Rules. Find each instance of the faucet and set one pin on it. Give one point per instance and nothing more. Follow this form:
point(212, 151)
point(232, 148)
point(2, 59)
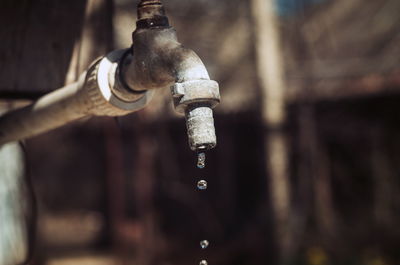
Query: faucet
point(124, 81)
point(159, 61)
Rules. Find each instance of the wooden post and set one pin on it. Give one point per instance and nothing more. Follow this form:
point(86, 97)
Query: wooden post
point(270, 73)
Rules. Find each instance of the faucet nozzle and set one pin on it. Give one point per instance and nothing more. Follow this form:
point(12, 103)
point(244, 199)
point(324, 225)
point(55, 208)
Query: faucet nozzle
point(196, 99)
point(200, 127)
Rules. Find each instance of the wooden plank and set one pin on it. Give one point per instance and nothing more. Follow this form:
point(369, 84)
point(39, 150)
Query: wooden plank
point(270, 69)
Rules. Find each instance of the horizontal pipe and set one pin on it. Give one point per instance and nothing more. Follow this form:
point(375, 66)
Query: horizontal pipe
point(97, 92)
point(123, 82)
point(48, 112)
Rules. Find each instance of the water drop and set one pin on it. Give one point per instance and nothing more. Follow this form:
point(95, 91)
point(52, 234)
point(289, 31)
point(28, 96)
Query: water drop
point(204, 244)
point(203, 262)
point(202, 184)
point(201, 160)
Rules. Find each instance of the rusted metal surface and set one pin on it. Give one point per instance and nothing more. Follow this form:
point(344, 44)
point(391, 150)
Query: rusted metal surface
point(91, 95)
point(121, 83)
point(195, 92)
point(151, 14)
point(160, 61)
point(196, 99)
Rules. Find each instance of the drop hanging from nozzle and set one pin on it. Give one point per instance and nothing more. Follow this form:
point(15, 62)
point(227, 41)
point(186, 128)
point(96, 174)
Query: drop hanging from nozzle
point(201, 160)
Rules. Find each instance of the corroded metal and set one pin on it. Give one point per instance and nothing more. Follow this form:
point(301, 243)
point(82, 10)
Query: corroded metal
point(151, 14)
point(196, 99)
point(160, 61)
point(200, 127)
point(124, 81)
point(204, 92)
point(94, 94)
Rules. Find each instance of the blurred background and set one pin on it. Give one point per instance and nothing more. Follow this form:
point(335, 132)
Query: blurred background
point(306, 170)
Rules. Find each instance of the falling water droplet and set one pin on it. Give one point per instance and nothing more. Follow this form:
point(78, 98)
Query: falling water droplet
point(204, 244)
point(201, 160)
point(203, 262)
point(202, 184)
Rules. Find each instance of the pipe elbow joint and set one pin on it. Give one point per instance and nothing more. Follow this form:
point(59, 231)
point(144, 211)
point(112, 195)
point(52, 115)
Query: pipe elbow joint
point(159, 61)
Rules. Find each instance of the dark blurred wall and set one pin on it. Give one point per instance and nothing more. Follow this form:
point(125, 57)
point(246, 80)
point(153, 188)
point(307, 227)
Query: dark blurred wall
point(123, 190)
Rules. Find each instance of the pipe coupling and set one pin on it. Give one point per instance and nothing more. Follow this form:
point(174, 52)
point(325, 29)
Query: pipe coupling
point(204, 92)
point(107, 94)
point(196, 99)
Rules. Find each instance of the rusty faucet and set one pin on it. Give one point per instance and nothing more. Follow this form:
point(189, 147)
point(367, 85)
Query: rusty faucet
point(124, 81)
point(159, 61)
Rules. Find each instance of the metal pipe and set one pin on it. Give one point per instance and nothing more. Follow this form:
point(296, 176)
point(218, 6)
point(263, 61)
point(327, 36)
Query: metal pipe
point(124, 81)
point(95, 93)
point(48, 112)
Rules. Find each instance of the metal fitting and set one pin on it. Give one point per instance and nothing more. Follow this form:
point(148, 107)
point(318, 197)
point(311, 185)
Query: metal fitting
point(160, 61)
point(120, 99)
point(151, 14)
point(98, 92)
point(195, 91)
point(196, 99)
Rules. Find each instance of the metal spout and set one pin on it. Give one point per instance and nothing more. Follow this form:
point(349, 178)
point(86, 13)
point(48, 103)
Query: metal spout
point(200, 128)
point(158, 60)
point(124, 81)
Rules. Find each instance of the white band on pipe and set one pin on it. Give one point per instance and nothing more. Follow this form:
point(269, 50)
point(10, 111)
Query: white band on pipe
point(106, 72)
